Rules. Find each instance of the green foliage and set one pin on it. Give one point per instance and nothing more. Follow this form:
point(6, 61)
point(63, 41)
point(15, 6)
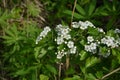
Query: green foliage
point(22, 59)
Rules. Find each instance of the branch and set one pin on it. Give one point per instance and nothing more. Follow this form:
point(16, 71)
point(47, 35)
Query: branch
point(73, 11)
point(110, 73)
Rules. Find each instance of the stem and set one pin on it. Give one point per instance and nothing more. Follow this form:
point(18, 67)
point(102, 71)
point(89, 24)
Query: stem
point(110, 73)
point(59, 74)
point(73, 11)
point(67, 61)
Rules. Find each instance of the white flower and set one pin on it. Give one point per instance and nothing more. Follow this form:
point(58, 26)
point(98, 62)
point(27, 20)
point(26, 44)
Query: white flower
point(117, 30)
point(59, 40)
point(100, 30)
point(43, 34)
point(83, 26)
point(73, 50)
point(70, 44)
point(60, 54)
point(90, 39)
point(75, 25)
point(67, 37)
point(91, 48)
point(87, 48)
point(47, 29)
point(88, 23)
point(110, 42)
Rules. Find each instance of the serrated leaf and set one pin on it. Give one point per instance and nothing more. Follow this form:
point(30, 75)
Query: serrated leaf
point(91, 61)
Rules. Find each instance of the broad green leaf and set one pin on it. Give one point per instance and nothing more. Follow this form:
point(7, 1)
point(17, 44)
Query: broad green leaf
point(80, 9)
point(91, 61)
point(92, 7)
point(44, 77)
point(51, 69)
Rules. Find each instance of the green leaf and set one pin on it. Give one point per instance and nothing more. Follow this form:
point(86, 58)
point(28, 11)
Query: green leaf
point(76, 15)
point(91, 61)
point(44, 77)
point(80, 9)
point(42, 53)
point(33, 9)
point(92, 7)
point(51, 69)
point(93, 31)
point(99, 74)
point(83, 55)
point(90, 76)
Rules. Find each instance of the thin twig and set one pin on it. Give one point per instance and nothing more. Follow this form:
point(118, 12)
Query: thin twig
point(73, 11)
point(105, 76)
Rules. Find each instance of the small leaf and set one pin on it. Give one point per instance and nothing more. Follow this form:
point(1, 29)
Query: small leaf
point(83, 55)
point(42, 53)
point(90, 77)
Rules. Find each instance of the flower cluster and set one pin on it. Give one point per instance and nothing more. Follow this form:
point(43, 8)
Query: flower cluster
point(61, 53)
point(109, 41)
point(71, 46)
point(63, 34)
point(97, 40)
point(91, 47)
point(43, 34)
point(64, 37)
point(117, 30)
point(82, 25)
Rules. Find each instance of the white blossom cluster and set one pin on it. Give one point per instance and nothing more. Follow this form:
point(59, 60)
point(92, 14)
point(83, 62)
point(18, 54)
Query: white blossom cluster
point(90, 39)
point(63, 34)
point(109, 41)
point(82, 25)
point(117, 30)
point(43, 34)
point(92, 47)
point(71, 46)
point(64, 37)
point(61, 53)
